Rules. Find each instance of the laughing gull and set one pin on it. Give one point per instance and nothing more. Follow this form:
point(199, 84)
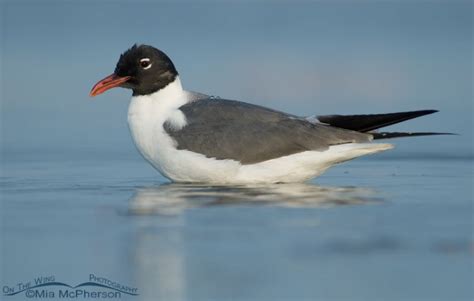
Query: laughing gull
point(193, 137)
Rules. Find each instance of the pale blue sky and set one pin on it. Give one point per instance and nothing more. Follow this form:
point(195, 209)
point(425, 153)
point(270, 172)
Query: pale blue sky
point(301, 57)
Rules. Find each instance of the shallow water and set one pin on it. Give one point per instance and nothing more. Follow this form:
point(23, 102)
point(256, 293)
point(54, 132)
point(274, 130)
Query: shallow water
point(371, 229)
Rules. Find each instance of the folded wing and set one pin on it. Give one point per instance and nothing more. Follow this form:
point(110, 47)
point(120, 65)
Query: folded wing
point(226, 129)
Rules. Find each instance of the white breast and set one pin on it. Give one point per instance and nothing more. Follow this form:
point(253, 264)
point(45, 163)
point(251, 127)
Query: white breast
point(146, 116)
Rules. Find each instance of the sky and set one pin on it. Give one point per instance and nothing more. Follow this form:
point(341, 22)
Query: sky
point(302, 57)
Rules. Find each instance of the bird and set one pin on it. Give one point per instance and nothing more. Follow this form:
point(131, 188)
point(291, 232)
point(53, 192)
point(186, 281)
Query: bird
point(192, 137)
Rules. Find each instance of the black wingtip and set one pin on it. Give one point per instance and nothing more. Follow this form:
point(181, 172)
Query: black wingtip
point(415, 114)
point(424, 112)
point(370, 122)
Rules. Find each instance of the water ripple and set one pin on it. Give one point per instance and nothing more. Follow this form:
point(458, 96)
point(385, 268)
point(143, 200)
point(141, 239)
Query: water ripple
point(170, 199)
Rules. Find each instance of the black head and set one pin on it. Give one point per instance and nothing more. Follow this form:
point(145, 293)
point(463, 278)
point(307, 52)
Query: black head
point(143, 68)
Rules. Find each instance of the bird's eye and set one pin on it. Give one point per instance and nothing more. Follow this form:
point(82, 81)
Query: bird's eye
point(145, 63)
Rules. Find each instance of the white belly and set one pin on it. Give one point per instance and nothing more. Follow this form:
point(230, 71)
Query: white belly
point(158, 148)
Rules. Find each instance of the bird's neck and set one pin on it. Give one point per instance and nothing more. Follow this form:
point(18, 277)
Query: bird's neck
point(170, 91)
point(172, 95)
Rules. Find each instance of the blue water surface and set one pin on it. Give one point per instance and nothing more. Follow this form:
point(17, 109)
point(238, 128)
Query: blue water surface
point(379, 228)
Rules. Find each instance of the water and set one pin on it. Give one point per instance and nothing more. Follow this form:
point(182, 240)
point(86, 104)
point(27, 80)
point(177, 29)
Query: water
point(370, 229)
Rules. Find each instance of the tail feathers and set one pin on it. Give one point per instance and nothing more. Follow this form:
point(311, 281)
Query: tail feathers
point(366, 123)
point(388, 135)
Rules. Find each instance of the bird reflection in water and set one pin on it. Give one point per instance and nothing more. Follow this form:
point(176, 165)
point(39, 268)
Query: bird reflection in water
point(180, 256)
point(171, 199)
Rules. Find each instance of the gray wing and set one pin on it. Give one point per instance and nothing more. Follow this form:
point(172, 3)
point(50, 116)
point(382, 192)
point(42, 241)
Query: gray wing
point(227, 129)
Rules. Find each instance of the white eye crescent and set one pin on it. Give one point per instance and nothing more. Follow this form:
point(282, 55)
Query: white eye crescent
point(145, 63)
